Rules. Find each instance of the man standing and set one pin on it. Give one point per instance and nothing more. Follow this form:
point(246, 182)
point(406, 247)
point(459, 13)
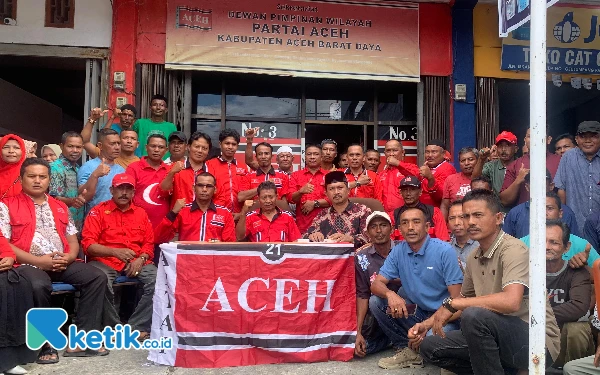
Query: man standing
point(429, 273)
point(268, 223)
point(513, 190)
point(343, 162)
point(118, 238)
point(44, 240)
point(391, 175)
point(155, 124)
point(63, 177)
point(372, 160)
point(285, 160)
point(126, 114)
point(344, 221)
point(129, 143)
point(460, 240)
point(307, 188)
point(367, 263)
point(95, 176)
point(329, 152)
point(564, 143)
point(411, 190)
point(202, 220)
point(494, 332)
point(265, 172)
point(495, 170)
point(177, 148)
point(579, 173)
point(363, 183)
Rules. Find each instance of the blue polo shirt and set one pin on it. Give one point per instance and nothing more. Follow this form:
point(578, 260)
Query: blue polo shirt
point(426, 274)
point(104, 183)
point(516, 222)
point(578, 245)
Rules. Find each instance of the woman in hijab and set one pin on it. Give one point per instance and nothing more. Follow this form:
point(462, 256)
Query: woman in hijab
point(50, 152)
point(31, 148)
point(13, 155)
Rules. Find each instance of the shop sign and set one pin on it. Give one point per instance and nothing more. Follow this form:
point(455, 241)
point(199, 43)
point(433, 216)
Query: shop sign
point(372, 40)
point(573, 43)
point(514, 13)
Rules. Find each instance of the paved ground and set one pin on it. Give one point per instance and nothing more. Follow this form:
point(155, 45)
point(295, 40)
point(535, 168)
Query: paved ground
point(134, 362)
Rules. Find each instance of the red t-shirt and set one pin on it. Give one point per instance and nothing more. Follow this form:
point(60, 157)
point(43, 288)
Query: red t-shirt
point(372, 190)
point(148, 194)
point(279, 178)
point(299, 179)
point(229, 176)
point(512, 171)
point(282, 228)
point(456, 186)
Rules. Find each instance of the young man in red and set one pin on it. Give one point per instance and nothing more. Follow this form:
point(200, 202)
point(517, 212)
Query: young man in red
point(268, 223)
point(265, 172)
point(118, 238)
point(307, 188)
point(202, 220)
point(363, 183)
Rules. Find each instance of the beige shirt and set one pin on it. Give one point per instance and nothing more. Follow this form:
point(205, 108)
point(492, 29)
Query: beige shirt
point(506, 263)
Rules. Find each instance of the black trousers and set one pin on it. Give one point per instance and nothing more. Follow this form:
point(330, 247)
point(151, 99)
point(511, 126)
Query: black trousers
point(487, 343)
point(88, 280)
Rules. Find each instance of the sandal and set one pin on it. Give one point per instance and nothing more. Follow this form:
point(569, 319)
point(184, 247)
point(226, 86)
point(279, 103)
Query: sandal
point(47, 350)
point(86, 353)
point(143, 336)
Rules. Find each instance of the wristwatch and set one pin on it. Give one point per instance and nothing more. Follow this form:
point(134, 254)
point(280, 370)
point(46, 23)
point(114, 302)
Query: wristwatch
point(317, 204)
point(447, 303)
point(357, 184)
point(144, 258)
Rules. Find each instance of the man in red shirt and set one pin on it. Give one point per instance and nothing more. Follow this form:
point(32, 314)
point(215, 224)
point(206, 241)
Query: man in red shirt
point(202, 220)
point(227, 173)
point(459, 184)
point(393, 172)
point(307, 188)
point(363, 183)
point(118, 239)
point(268, 223)
point(513, 189)
point(372, 160)
point(265, 172)
point(180, 178)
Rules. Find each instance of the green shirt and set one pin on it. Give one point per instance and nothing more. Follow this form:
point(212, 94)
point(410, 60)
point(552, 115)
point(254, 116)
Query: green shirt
point(495, 171)
point(578, 245)
point(145, 127)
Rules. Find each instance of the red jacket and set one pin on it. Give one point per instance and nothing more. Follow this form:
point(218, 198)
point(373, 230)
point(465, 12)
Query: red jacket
point(5, 250)
point(229, 177)
point(22, 220)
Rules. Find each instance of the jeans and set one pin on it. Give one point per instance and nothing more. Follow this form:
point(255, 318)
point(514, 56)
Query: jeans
point(488, 343)
point(396, 329)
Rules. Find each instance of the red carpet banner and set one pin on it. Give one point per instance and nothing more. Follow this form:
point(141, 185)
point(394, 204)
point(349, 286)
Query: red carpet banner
point(239, 304)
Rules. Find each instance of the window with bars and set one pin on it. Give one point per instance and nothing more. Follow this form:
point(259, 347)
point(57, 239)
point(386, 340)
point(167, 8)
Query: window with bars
point(8, 9)
point(60, 13)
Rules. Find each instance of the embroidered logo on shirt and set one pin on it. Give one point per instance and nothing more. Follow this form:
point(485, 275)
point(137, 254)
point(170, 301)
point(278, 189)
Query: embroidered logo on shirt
point(363, 262)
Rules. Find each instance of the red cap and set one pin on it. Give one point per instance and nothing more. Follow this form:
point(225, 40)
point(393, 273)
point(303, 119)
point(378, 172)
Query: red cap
point(506, 136)
point(123, 178)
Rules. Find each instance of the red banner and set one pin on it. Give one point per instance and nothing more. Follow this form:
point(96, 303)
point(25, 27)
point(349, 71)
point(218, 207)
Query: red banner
point(239, 304)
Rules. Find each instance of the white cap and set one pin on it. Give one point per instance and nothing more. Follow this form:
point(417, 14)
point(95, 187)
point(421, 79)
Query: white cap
point(378, 214)
point(284, 149)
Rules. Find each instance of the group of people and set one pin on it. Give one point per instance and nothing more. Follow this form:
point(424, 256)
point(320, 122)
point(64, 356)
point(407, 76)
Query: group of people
point(441, 257)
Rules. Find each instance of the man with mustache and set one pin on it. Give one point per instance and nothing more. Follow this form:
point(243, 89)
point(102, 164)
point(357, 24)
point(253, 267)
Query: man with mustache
point(267, 223)
point(177, 148)
point(460, 240)
point(495, 170)
point(329, 150)
point(493, 303)
point(344, 221)
point(118, 240)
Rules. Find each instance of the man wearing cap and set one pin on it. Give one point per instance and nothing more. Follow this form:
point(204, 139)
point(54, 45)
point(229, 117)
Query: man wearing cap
point(513, 190)
point(367, 262)
point(411, 190)
point(285, 160)
point(202, 220)
point(495, 170)
point(177, 141)
point(578, 175)
point(363, 183)
point(329, 149)
point(265, 172)
point(344, 221)
point(118, 239)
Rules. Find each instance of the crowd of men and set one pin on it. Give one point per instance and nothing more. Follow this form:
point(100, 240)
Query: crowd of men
point(442, 257)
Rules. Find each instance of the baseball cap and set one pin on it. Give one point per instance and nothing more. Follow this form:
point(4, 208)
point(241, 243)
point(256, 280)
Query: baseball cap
point(179, 135)
point(284, 149)
point(375, 214)
point(589, 127)
point(410, 181)
point(506, 136)
point(122, 179)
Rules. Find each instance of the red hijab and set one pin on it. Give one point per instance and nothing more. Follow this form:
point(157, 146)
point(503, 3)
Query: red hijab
point(9, 172)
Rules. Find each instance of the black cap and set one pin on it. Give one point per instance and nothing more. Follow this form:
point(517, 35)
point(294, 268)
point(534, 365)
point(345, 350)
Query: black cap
point(589, 127)
point(548, 176)
point(335, 176)
point(437, 142)
point(179, 135)
point(410, 181)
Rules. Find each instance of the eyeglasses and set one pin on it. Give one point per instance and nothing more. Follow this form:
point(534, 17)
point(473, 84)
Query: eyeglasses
point(202, 186)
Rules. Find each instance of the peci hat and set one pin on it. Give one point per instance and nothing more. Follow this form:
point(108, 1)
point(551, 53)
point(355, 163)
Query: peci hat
point(335, 176)
point(123, 179)
point(410, 181)
point(589, 127)
point(179, 135)
point(506, 136)
point(284, 150)
point(376, 214)
point(437, 142)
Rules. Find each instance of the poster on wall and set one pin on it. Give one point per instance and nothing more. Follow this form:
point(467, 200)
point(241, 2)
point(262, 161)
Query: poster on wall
point(515, 13)
point(573, 43)
point(371, 40)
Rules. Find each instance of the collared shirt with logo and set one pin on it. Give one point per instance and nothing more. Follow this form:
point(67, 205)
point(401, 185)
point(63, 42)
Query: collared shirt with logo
point(374, 189)
point(279, 178)
point(148, 194)
point(193, 224)
point(352, 221)
point(63, 183)
point(297, 181)
point(229, 176)
point(390, 178)
point(281, 228)
point(183, 183)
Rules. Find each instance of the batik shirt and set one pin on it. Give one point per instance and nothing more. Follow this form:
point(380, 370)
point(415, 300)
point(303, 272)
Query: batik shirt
point(63, 183)
point(352, 221)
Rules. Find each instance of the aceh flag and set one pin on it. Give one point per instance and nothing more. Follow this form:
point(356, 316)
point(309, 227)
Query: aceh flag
point(237, 304)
